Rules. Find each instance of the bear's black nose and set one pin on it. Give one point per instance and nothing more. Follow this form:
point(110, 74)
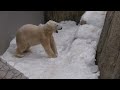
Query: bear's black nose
point(60, 28)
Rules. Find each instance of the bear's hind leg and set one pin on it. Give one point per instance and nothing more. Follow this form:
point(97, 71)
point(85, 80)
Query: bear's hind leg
point(27, 49)
point(20, 50)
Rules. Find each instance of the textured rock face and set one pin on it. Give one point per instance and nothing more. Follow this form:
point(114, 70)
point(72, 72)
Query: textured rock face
point(8, 72)
point(108, 52)
point(64, 15)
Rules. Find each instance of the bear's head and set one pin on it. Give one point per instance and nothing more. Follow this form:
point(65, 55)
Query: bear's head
point(54, 26)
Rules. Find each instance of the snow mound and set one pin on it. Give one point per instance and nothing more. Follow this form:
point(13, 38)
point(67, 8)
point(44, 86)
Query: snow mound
point(95, 18)
point(88, 32)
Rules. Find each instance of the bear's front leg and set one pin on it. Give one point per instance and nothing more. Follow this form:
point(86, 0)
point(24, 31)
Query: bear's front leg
point(53, 45)
point(48, 50)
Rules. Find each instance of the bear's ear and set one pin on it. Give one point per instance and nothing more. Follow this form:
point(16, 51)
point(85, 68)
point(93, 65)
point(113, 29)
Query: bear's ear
point(49, 21)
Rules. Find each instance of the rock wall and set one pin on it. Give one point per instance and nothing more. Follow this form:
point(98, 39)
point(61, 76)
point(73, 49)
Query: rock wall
point(108, 51)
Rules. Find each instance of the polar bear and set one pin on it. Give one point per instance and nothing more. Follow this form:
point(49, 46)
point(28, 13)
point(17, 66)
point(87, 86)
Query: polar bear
point(29, 35)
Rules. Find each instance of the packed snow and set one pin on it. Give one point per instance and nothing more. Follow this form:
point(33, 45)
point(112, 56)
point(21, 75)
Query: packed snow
point(76, 45)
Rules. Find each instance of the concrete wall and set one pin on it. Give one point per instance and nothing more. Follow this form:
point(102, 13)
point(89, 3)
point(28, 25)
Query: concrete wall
point(10, 21)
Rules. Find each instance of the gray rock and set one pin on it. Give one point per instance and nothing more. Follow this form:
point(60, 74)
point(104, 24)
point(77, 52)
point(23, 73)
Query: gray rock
point(108, 50)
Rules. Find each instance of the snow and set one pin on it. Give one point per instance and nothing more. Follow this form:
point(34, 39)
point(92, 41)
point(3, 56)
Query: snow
point(89, 32)
point(95, 18)
point(76, 46)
